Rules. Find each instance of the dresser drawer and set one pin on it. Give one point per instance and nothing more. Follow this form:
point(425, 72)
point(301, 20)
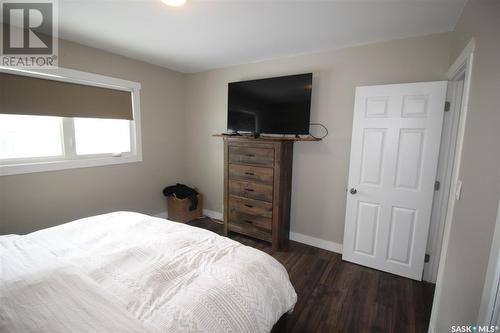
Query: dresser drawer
point(251, 155)
point(251, 190)
point(244, 219)
point(251, 231)
point(252, 173)
point(250, 206)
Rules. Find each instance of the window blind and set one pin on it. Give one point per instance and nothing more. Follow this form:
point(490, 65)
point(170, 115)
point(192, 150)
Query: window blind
point(27, 95)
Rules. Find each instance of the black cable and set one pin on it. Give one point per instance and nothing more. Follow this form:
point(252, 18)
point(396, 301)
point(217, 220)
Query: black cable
point(324, 127)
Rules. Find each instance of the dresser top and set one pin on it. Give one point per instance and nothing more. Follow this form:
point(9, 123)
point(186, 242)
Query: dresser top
point(267, 137)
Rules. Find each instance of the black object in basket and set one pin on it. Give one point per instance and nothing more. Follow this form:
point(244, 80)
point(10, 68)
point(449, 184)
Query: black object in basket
point(182, 191)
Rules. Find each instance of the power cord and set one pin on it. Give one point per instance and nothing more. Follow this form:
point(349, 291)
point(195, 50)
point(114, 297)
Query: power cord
point(321, 125)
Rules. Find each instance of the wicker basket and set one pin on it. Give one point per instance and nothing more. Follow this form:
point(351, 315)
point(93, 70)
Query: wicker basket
point(178, 209)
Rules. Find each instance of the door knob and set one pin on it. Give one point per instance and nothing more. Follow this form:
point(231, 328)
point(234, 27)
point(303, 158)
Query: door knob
point(353, 190)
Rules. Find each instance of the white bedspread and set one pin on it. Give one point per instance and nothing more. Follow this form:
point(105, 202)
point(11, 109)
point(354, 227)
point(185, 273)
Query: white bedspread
point(128, 272)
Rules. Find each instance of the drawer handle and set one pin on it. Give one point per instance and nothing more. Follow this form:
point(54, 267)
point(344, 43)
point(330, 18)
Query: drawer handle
point(249, 189)
point(249, 173)
point(250, 155)
point(249, 206)
point(248, 221)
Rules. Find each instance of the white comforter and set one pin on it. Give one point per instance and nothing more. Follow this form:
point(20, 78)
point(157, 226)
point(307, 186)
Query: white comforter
point(128, 272)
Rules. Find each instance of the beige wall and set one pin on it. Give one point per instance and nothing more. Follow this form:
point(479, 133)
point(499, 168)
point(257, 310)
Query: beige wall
point(320, 170)
point(33, 201)
point(471, 230)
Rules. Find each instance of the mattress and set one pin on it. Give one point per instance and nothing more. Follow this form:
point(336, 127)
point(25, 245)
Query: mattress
point(129, 272)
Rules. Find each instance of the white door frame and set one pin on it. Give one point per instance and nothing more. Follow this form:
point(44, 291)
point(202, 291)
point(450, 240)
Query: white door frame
point(462, 65)
point(443, 176)
point(490, 302)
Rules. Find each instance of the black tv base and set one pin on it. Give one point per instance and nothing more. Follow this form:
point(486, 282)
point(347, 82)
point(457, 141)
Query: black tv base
point(231, 134)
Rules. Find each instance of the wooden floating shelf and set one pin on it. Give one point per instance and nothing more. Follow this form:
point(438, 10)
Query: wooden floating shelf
point(268, 137)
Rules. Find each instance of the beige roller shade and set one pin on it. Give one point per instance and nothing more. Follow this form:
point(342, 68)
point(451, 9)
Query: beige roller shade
point(34, 96)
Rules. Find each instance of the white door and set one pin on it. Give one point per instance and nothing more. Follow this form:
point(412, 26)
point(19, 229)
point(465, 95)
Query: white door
point(394, 153)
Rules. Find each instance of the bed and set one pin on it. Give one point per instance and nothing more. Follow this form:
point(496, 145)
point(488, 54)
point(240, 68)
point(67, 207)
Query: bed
point(129, 272)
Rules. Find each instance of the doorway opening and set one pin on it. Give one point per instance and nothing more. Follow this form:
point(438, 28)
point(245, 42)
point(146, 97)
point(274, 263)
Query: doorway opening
point(443, 183)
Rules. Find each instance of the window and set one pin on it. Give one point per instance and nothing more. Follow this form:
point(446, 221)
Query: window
point(34, 143)
point(23, 137)
point(30, 136)
point(101, 136)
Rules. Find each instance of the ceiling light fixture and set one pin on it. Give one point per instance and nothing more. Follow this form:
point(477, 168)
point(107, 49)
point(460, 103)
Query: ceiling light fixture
point(174, 3)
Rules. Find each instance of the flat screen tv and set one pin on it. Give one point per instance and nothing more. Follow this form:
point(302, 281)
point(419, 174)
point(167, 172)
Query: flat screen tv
point(278, 105)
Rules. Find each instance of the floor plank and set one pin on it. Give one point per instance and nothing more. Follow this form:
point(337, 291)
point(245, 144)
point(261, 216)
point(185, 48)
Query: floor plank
point(338, 296)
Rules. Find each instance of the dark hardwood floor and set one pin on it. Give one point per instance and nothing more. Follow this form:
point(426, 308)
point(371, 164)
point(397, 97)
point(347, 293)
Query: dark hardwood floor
point(337, 296)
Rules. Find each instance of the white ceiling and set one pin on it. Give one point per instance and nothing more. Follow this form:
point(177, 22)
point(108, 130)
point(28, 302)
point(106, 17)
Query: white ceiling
point(204, 35)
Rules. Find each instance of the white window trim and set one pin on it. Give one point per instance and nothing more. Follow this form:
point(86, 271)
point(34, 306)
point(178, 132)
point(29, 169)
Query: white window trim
point(90, 79)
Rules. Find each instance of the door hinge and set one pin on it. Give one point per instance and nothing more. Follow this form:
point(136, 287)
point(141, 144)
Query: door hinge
point(447, 106)
point(427, 257)
point(437, 185)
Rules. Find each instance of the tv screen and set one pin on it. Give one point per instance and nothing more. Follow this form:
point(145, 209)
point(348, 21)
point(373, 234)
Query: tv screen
point(278, 105)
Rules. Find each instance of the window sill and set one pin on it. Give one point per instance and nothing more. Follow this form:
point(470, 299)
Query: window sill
point(17, 169)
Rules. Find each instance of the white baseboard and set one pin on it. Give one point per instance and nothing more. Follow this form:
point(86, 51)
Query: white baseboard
point(316, 242)
point(207, 212)
point(213, 214)
point(305, 239)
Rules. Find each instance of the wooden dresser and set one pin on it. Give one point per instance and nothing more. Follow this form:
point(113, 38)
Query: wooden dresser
point(257, 188)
